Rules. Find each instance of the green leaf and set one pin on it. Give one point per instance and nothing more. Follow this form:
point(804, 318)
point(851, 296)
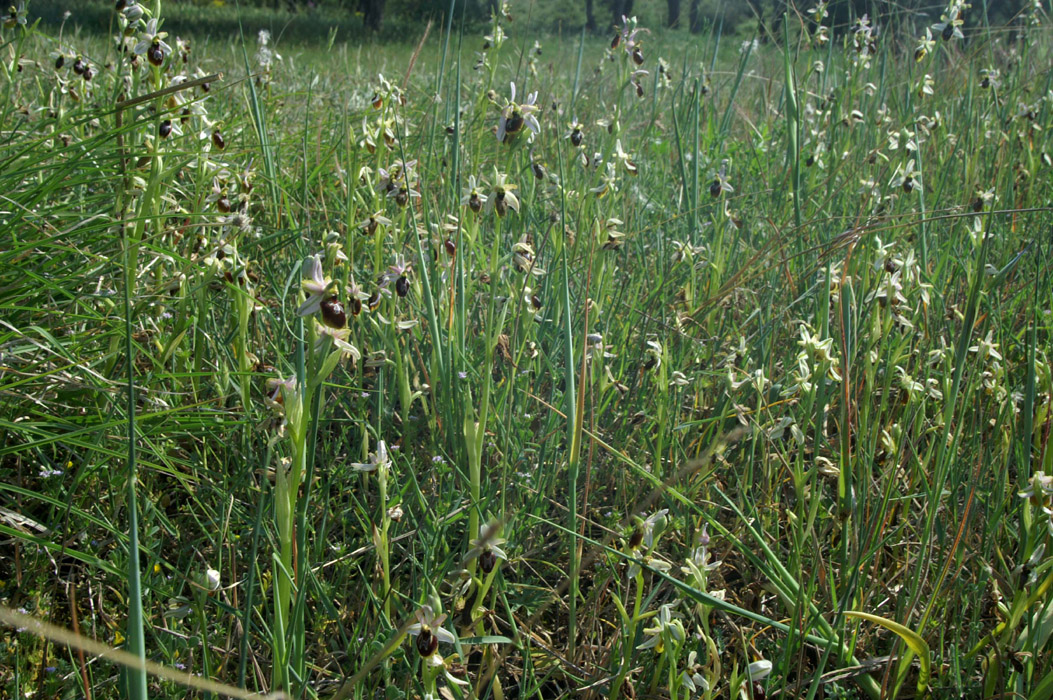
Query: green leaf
point(911, 638)
point(487, 639)
point(1044, 690)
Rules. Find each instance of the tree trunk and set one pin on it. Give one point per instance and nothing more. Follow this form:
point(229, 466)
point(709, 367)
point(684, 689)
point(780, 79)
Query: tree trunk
point(372, 14)
point(694, 17)
point(619, 9)
point(590, 17)
point(673, 16)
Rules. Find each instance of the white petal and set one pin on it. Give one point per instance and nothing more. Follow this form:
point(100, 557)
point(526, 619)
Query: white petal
point(759, 670)
point(311, 306)
point(455, 680)
point(347, 348)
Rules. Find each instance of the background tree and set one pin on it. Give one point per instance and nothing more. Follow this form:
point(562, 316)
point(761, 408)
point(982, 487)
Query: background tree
point(619, 9)
point(372, 13)
point(757, 6)
point(672, 18)
point(694, 17)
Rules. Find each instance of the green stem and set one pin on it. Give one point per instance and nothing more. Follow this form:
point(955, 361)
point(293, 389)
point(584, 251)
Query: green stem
point(136, 677)
point(628, 638)
point(202, 625)
point(382, 540)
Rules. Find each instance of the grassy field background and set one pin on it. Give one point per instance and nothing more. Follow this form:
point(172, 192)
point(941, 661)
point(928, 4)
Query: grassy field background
point(498, 363)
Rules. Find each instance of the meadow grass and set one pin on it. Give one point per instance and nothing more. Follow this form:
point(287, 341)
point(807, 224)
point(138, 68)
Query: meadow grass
point(518, 367)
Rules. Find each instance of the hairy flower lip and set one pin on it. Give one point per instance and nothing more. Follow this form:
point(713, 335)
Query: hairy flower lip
point(428, 621)
point(514, 115)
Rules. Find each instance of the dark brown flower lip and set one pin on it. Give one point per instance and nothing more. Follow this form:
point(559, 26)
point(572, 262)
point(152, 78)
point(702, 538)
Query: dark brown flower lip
point(427, 643)
point(333, 314)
